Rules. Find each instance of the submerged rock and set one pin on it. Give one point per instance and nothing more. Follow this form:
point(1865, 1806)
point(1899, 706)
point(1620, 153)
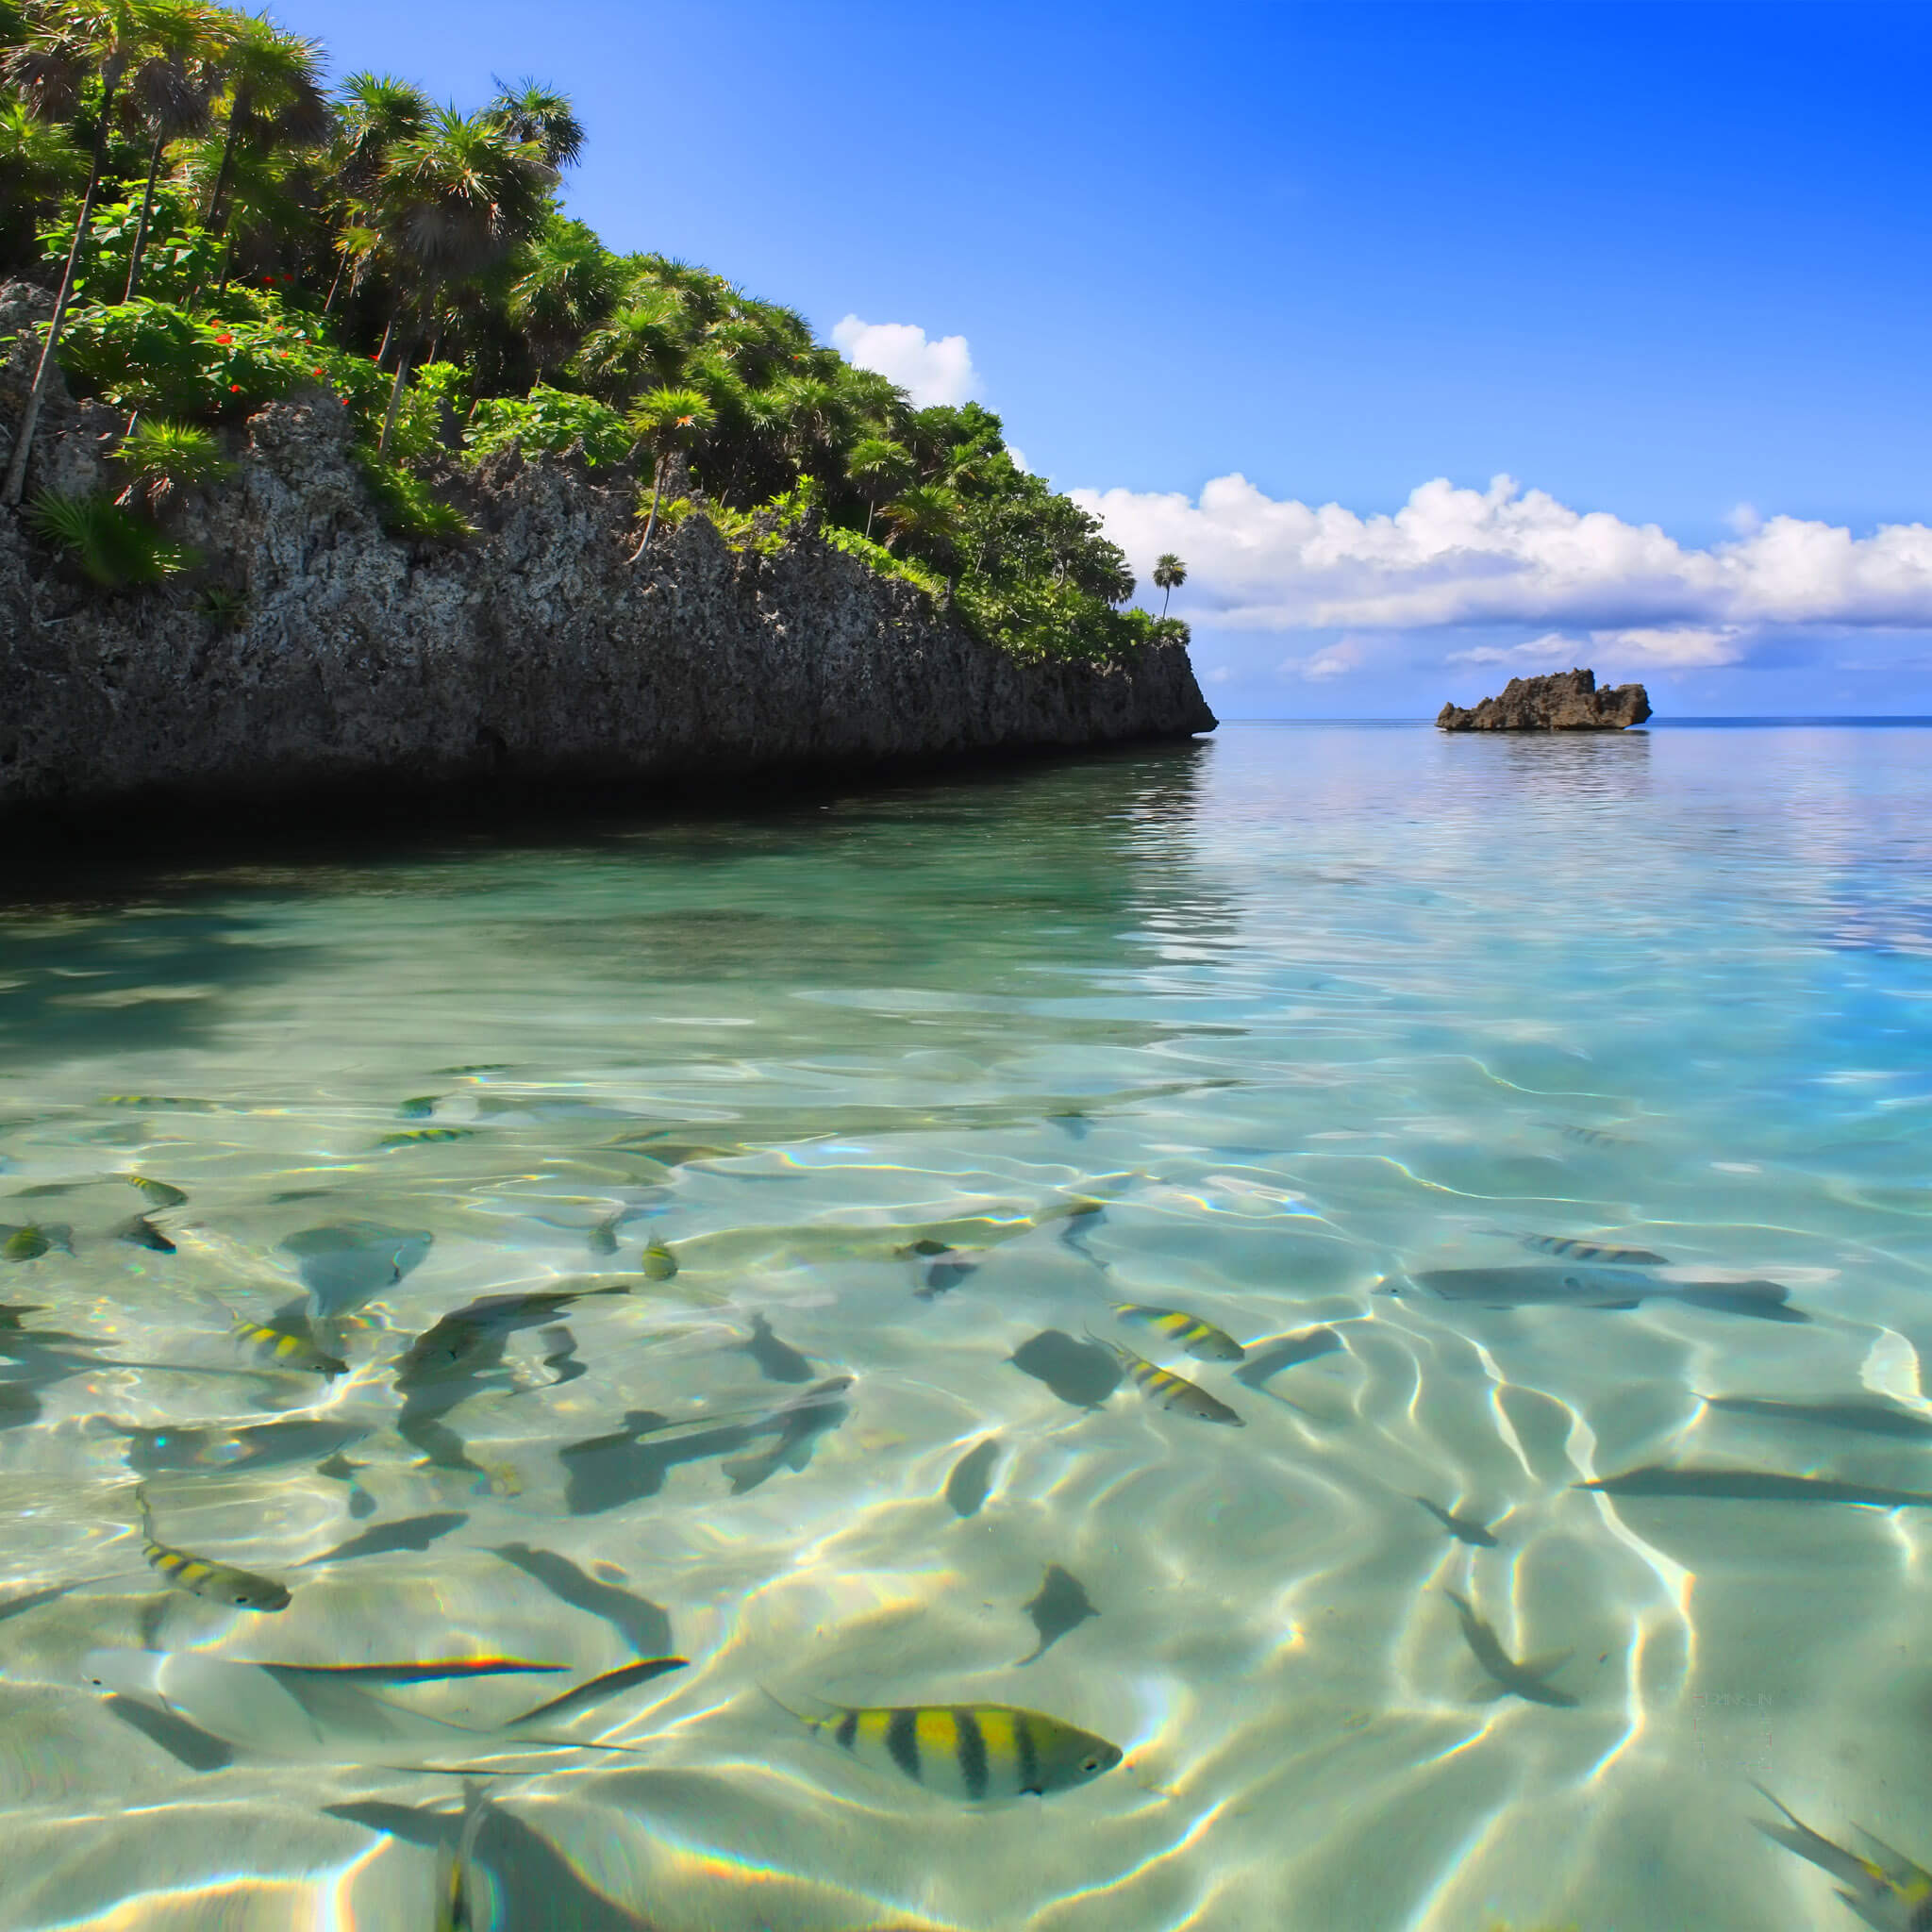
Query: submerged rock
point(1564, 701)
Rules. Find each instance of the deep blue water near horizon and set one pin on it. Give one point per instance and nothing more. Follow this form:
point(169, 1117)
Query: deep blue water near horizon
point(706, 1238)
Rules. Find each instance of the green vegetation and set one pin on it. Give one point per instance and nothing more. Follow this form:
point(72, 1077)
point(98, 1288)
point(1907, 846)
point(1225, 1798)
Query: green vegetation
point(222, 230)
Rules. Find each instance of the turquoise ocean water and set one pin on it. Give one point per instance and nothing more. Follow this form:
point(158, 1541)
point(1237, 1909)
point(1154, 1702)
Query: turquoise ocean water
point(703, 1240)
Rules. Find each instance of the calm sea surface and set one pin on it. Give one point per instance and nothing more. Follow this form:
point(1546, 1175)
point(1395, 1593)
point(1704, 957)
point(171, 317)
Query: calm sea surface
point(703, 1240)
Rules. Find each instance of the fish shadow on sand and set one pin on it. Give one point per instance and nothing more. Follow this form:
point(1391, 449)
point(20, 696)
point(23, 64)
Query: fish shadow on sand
point(642, 1625)
point(406, 1533)
point(533, 1882)
point(1058, 1606)
point(1267, 1359)
point(1082, 1373)
point(185, 1743)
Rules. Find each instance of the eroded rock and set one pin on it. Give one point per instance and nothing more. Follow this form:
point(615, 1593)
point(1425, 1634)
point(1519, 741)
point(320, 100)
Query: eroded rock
point(1564, 701)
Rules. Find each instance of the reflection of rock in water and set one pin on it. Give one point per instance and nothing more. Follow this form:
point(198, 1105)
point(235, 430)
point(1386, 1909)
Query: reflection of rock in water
point(347, 1263)
point(1080, 1372)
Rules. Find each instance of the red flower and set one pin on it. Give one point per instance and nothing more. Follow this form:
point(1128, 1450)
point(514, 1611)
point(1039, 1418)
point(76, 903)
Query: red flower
point(319, 372)
point(234, 389)
point(225, 341)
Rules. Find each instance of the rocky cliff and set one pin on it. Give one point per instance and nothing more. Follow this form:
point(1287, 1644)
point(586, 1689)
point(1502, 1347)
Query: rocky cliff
point(530, 656)
point(1566, 701)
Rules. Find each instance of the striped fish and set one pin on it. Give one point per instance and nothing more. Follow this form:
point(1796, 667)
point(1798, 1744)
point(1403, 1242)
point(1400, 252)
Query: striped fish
point(221, 1583)
point(156, 1193)
point(1595, 1137)
point(1201, 1339)
point(290, 1342)
point(418, 1137)
point(660, 1264)
point(1574, 1250)
point(1168, 1390)
point(968, 1750)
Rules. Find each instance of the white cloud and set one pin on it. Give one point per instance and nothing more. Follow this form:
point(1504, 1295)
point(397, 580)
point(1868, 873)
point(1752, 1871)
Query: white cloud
point(1505, 555)
point(1019, 456)
point(930, 371)
point(1338, 660)
point(1672, 645)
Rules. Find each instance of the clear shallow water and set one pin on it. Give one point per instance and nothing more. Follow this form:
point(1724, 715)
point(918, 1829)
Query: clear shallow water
point(1315, 1012)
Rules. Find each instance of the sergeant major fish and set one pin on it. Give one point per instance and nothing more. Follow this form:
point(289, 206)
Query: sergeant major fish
point(968, 1750)
point(1168, 1390)
point(289, 1341)
point(156, 1194)
point(1572, 1249)
point(1887, 1889)
point(221, 1583)
point(1201, 1339)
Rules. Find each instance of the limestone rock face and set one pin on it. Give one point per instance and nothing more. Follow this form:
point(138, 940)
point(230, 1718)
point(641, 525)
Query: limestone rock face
point(531, 654)
point(1565, 701)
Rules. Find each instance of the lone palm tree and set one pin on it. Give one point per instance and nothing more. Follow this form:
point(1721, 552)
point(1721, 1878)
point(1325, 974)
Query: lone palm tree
point(665, 420)
point(454, 199)
point(1170, 573)
point(67, 43)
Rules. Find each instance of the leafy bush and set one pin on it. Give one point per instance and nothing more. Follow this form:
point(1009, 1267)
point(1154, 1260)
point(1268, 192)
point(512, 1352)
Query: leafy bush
point(407, 505)
point(163, 457)
point(1041, 619)
point(150, 354)
point(884, 562)
point(437, 393)
point(116, 550)
point(549, 419)
point(179, 252)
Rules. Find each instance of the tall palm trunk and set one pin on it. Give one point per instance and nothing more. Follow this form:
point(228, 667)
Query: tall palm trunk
point(148, 209)
point(1166, 592)
point(651, 520)
point(871, 508)
point(395, 400)
point(236, 108)
point(15, 486)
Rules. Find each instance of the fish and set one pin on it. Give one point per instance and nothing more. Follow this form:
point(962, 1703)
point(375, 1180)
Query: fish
point(404, 1533)
point(777, 1360)
point(971, 1481)
point(418, 1108)
point(1884, 1887)
point(289, 1339)
point(156, 1194)
point(1266, 1359)
point(1465, 1529)
point(609, 1685)
point(1525, 1679)
point(348, 1262)
point(256, 1445)
point(157, 1103)
point(422, 1670)
point(424, 1137)
point(641, 1623)
point(1059, 1605)
point(1595, 1137)
point(36, 1238)
point(1166, 1390)
point(1872, 1416)
point(1081, 1374)
point(143, 1233)
point(1752, 1486)
point(660, 1264)
point(976, 1751)
point(221, 1583)
point(1602, 1288)
point(298, 1713)
point(602, 1238)
point(1201, 1339)
point(1572, 1249)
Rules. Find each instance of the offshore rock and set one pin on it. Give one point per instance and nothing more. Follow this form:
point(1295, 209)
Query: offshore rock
point(530, 659)
point(1565, 701)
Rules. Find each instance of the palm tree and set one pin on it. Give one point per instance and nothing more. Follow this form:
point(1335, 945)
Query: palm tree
point(667, 419)
point(68, 41)
point(454, 199)
point(878, 466)
point(564, 283)
point(1170, 573)
point(169, 96)
point(374, 111)
point(37, 163)
point(927, 517)
point(273, 97)
point(532, 112)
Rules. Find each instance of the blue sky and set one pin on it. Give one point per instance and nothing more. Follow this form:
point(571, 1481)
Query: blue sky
point(1667, 264)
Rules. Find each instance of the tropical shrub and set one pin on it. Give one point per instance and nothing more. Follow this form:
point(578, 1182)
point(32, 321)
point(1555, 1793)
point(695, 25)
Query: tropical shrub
point(163, 459)
point(114, 549)
point(407, 505)
point(549, 419)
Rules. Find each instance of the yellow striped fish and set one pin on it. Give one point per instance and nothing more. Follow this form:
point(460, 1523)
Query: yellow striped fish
point(1201, 1339)
point(290, 1342)
point(418, 1137)
point(660, 1264)
point(221, 1583)
point(1168, 1390)
point(156, 1193)
point(968, 1750)
point(1886, 1887)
